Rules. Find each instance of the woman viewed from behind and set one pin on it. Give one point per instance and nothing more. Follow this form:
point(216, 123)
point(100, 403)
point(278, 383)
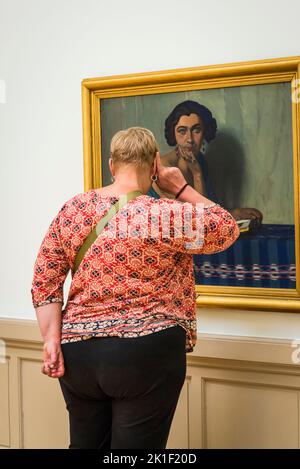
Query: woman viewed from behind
point(119, 346)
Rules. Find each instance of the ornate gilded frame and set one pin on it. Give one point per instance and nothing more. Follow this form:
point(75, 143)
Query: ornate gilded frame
point(216, 76)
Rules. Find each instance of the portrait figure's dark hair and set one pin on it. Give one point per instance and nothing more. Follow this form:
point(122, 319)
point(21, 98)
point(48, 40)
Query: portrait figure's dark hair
point(185, 109)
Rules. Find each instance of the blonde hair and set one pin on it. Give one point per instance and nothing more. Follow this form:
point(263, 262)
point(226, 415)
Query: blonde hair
point(136, 146)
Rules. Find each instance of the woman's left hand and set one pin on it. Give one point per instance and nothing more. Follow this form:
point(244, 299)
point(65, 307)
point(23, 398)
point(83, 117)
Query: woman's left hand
point(53, 359)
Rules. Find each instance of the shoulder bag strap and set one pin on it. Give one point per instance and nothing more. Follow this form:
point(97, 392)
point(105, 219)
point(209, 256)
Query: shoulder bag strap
point(93, 235)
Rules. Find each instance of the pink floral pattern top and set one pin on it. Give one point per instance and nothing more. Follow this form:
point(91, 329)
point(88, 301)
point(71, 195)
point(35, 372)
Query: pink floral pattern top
point(128, 285)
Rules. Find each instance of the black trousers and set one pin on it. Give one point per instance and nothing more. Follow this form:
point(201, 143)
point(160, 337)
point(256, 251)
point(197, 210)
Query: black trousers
point(123, 392)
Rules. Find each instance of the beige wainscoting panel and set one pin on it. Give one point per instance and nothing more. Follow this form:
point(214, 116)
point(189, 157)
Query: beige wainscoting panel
point(238, 393)
point(235, 404)
point(44, 422)
point(4, 404)
point(247, 415)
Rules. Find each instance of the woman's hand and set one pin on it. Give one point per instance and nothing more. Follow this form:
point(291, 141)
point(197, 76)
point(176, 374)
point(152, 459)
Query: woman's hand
point(53, 359)
point(170, 178)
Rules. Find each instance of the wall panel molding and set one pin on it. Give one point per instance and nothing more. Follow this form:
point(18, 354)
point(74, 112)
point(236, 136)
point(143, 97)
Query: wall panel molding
point(234, 387)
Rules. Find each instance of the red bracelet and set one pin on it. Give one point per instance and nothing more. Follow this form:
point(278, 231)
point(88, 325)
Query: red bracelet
point(177, 195)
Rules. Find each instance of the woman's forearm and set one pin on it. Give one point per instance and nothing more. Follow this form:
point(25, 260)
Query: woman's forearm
point(49, 320)
point(189, 194)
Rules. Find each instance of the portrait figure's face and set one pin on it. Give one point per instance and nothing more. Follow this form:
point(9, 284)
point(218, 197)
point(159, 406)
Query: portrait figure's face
point(189, 134)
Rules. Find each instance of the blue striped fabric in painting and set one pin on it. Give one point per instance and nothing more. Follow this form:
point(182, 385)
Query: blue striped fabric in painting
point(265, 259)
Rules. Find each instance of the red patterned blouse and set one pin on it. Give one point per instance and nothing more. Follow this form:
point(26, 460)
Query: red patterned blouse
point(138, 276)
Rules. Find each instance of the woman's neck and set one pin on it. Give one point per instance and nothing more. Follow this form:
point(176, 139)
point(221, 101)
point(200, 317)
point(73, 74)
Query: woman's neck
point(119, 189)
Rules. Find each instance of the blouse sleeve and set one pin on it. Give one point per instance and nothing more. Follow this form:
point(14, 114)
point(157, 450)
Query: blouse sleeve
point(51, 267)
point(204, 230)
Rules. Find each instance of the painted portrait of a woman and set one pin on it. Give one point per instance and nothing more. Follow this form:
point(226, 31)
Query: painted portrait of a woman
point(189, 128)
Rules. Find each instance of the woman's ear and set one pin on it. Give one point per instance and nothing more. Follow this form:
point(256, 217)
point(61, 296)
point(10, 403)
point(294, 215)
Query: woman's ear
point(154, 165)
point(111, 166)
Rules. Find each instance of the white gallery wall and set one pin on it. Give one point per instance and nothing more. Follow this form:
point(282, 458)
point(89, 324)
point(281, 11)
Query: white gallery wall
point(47, 48)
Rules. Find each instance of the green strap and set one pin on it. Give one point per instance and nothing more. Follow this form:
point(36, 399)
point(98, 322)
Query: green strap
point(93, 235)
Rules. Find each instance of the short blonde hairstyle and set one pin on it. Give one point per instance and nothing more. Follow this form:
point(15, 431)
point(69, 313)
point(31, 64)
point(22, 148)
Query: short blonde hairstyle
point(135, 146)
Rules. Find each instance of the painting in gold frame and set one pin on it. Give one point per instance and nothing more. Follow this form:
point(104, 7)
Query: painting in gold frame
point(252, 162)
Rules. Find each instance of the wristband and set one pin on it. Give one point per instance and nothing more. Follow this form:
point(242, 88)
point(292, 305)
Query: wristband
point(182, 189)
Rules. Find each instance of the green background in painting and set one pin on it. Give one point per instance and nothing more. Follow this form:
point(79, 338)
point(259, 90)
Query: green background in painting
point(250, 161)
